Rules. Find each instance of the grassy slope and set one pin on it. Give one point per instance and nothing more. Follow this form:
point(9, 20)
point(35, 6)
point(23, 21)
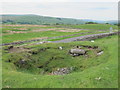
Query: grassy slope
point(85, 79)
point(36, 19)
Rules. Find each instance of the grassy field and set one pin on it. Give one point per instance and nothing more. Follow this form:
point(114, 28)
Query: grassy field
point(34, 35)
point(6, 28)
point(13, 33)
point(92, 26)
point(90, 72)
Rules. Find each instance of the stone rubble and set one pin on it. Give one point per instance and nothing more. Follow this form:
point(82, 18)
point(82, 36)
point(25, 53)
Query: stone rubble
point(62, 71)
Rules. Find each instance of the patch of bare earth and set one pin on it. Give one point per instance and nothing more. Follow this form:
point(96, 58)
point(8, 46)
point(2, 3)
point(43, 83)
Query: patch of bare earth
point(28, 25)
point(13, 49)
point(39, 38)
point(12, 32)
point(70, 30)
point(21, 28)
point(42, 30)
point(48, 29)
point(58, 29)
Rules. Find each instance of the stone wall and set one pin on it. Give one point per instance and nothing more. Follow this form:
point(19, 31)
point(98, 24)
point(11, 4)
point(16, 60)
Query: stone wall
point(83, 39)
point(97, 36)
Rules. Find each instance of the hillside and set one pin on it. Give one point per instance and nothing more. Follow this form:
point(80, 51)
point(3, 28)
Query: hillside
point(39, 20)
point(44, 20)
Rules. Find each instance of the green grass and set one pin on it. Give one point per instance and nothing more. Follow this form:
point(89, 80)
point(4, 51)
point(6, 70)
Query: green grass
point(92, 26)
point(7, 38)
point(28, 36)
point(74, 36)
point(104, 66)
point(33, 35)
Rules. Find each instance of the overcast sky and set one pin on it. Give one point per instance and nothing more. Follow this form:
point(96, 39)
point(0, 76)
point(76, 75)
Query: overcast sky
point(100, 10)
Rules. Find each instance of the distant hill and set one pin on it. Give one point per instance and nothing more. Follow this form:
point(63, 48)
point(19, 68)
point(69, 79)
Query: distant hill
point(44, 20)
point(112, 22)
point(97, 21)
point(36, 19)
point(100, 21)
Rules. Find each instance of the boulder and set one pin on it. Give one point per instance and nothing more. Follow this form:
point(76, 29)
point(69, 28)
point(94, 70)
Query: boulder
point(77, 52)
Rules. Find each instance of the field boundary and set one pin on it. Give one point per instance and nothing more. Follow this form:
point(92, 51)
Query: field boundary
point(86, 37)
point(26, 41)
point(80, 38)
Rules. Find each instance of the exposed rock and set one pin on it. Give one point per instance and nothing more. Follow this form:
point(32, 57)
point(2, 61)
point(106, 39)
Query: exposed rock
point(14, 49)
point(62, 71)
point(98, 78)
point(78, 46)
point(8, 87)
point(60, 48)
point(40, 43)
point(99, 53)
point(77, 52)
point(43, 42)
point(92, 41)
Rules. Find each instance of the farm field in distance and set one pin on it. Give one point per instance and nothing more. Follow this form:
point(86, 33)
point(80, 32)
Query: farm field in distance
point(14, 33)
point(31, 65)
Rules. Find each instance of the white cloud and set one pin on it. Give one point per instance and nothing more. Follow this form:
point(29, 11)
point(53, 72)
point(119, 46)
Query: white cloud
point(35, 1)
point(91, 10)
point(59, 0)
